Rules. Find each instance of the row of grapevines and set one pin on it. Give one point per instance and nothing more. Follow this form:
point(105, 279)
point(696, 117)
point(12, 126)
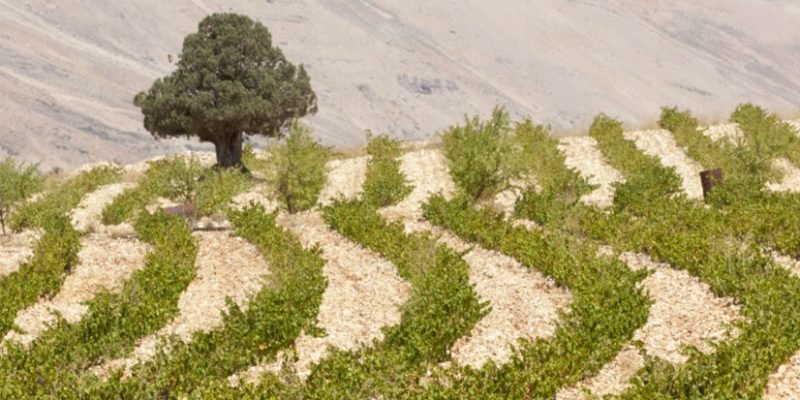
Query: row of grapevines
point(61, 199)
point(443, 307)
point(706, 244)
point(275, 316)
point(607, 306)
point(56, 253)
point(58, 360)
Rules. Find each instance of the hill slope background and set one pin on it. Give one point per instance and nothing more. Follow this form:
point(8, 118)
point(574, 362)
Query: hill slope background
point(70, 68)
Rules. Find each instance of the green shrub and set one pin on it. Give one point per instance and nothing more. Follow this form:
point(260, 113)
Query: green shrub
point(385, 185)
point(673, 119)
point(298, 169)
point(561, 187)
point(217, 187)
point(17, 184)
point(763, 136)
point(481, 155)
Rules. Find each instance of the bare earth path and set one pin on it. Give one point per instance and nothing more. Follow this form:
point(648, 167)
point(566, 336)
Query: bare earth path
point(16, 248)
point(86, 216)
point(227, 266)
point(581, 154)
point(684, 312)
point(105, 263)
point(659, 143)
point(524, 303)
point(345, 179)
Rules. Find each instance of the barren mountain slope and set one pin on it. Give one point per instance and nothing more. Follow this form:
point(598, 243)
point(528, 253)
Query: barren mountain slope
point(69, 68)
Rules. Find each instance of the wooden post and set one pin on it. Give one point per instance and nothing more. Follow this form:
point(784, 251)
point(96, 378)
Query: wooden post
point(709, 179)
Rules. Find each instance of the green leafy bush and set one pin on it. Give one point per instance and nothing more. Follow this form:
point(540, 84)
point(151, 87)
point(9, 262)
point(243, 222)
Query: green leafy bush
point(560, 186)
point(17, 184)
point(675, 120)
point(385, 185)
point(481, 155)
point(298, 169)
point(763, 137)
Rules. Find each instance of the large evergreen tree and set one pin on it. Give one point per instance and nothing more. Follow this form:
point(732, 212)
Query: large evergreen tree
point(230, 81)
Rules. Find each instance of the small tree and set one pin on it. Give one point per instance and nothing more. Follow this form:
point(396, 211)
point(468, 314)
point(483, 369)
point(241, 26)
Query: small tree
point(299, 169)
point(385, 184)
point(17, 184)
point(230, 81)
point(481, 155)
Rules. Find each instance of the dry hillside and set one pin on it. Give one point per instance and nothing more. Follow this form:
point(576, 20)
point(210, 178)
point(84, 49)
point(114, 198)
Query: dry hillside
point(69, 68)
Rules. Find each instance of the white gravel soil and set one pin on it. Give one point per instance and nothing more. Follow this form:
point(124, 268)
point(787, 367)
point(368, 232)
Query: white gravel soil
point(525, 305)
point(730, 132)
point(659, 143)
point(105, 263)
point(227, 267)
point(790, 181)
point(582, 155)
point(364, 294)
point(15, 249)
point(345, 179)
point(685, 311)
point(612, 379)
point(86, 216)
point(427, 171)
point(784, 384)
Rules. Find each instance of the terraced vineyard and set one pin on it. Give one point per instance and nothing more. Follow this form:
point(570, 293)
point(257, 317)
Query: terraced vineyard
point(598, 270)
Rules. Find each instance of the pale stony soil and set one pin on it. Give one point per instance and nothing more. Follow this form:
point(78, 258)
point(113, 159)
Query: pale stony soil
point(723, 131)
point(581, 154)
point(363, 296)
point(258, 195)
point(345, 179)
point(525, 304)
point(790, 181)
point(86, 216)
point(685, 313)
point(787, 262)
point(105, 264)
point(227, 267)
point(784, 384)
point(16, 248)
point(427, 172)
point(659, 143)
point(612, 379)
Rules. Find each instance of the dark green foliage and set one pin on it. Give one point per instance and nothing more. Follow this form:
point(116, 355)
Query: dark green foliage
point(298, 169)
point(17, 184)
point(59, 359)
point(480, 155)
point(230, 80)
point(62, 198)
point(385, 185)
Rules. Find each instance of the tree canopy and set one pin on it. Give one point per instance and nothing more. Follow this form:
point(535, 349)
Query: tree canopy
point(229, 81)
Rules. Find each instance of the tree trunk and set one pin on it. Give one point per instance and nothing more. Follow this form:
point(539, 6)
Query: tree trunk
point(229, 150)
